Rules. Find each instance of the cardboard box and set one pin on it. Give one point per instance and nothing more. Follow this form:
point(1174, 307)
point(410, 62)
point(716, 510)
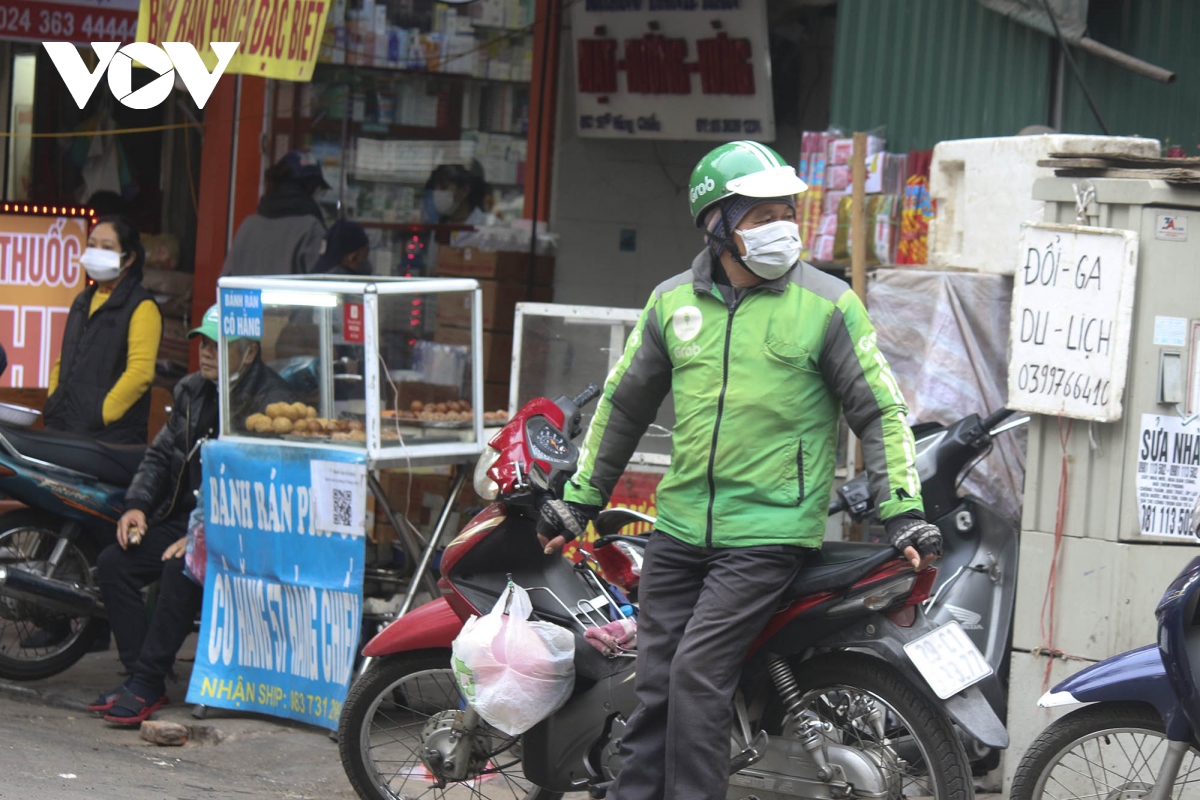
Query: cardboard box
point(499, 304)
point(497, 350)
point(500, 265)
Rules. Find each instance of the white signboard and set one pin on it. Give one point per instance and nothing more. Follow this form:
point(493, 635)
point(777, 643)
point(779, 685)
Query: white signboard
point(672, 69)
point(1168, 476)
point(1072, 311)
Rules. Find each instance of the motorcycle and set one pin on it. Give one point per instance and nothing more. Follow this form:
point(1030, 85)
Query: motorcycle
point(74, 492)
point(1137, 702)
point(977, 573)
point(850, 690)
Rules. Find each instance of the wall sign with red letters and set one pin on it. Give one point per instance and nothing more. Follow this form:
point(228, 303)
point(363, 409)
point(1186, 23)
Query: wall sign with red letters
point(672, 69)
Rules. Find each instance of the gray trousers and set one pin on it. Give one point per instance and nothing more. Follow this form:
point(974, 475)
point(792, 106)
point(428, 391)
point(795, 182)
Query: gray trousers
point(700, 609)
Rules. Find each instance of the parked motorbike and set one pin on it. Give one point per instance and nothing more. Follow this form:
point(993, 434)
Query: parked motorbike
point(977, 573)
point(74, 490)
point(1136, 738)
point(851, 690)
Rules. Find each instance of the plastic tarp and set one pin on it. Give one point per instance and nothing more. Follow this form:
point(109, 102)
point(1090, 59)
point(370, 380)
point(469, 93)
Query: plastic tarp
point(945, 335)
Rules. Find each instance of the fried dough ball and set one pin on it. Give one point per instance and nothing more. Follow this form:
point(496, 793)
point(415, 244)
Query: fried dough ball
point(417, 406)
point(253, 420)
point(281, 425)
point(300, 426)
point(310, 412)
point(355, 425)
point(299, 410)
point(273, 410)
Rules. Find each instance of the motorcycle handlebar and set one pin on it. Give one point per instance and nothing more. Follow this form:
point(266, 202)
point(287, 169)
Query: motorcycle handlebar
point(996, 418)
point(587, 395)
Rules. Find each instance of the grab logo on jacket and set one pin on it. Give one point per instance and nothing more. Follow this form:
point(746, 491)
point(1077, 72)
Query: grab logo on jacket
point(686, 323)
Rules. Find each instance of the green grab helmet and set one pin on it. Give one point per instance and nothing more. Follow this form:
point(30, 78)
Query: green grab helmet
point(746, 168)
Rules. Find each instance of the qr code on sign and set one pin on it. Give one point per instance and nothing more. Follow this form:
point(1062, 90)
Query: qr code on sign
point(341, 507)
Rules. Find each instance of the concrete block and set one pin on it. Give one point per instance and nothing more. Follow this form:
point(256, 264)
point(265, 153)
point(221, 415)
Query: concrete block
point(1026, 679)
point(984, 191)
point(1106, 593)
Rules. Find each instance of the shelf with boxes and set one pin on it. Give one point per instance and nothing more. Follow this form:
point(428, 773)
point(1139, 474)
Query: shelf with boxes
point(505, 280)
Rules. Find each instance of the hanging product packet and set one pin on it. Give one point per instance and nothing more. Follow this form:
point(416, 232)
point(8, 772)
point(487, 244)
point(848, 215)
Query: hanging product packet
point(913, 247)
point(196, 555)
point(514, 672)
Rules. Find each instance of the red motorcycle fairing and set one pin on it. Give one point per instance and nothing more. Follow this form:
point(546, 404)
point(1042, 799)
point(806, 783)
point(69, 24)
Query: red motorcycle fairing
point(433, 625)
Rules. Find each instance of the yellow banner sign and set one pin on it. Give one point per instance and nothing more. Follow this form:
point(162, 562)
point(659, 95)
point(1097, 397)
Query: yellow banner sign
point(277, 38)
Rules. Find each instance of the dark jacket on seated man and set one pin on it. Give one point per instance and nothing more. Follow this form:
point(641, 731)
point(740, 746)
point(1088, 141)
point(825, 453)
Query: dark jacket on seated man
point(162, 489)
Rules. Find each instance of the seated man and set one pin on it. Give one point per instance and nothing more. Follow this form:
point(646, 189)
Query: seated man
point(152, 533)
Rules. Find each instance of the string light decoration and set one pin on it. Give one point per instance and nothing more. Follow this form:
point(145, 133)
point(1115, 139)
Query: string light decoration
point(412, 250)
point(39, 210)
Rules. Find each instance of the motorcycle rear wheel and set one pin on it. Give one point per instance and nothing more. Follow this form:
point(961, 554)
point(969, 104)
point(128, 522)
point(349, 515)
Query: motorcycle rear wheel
point(27, 537)
point(935, 764)
point(1107, 750)
point(380, 734)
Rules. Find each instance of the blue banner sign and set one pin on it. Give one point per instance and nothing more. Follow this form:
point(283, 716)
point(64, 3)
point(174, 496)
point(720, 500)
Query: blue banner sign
point(284, 530)
point(242, 313)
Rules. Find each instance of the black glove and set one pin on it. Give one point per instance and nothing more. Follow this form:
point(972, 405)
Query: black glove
point(909, 531)
point(565, 519)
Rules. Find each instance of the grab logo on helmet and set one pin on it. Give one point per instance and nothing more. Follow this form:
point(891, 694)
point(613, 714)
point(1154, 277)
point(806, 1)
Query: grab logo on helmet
point(701, 189)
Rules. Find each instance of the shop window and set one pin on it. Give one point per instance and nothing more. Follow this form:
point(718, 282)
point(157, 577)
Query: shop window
point(419, 114)
point(20, 144)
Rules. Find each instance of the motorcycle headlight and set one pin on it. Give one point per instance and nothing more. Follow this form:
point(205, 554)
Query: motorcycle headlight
point(485, 487)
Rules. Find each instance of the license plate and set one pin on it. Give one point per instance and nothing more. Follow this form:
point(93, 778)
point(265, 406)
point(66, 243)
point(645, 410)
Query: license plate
point(948, 660)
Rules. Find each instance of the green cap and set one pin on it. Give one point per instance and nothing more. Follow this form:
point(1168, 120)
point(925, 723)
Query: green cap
point(746, 168)
point(210, 326)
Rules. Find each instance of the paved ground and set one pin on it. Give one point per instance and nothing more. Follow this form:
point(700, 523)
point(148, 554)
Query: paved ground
point(45, 734)
point(50, 747)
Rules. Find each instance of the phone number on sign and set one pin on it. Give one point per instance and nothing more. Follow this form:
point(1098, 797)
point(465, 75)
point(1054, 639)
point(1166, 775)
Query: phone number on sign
point(57, 24)
point(1067, 384)
point(1166, 520)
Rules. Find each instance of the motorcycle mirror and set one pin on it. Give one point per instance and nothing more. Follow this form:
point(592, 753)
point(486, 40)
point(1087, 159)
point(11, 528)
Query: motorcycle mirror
point(1008, 426)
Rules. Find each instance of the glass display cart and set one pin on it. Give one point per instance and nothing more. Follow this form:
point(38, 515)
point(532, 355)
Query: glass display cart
point(362, 375)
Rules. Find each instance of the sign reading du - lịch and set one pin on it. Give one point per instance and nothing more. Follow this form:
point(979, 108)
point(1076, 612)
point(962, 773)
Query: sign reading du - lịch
point(284, 530)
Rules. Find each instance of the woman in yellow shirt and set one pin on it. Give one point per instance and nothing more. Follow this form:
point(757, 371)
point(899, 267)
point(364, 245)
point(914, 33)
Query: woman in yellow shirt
point(100, 385)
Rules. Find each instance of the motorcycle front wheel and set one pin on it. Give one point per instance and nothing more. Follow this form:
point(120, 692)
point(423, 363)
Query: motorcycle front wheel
point(391, 710)
point(865, 704)
point(1107, 750)
point(37, 643)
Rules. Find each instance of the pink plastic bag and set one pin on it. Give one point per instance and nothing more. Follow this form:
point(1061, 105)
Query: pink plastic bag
point(514, 672)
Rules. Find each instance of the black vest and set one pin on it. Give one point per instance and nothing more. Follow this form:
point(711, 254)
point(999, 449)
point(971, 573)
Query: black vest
point(94, 352)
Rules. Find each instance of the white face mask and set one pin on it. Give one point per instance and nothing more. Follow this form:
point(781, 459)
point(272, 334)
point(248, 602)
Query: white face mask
point(101, 265)
point(237, 374)
point(443, 200)
point(771, 249)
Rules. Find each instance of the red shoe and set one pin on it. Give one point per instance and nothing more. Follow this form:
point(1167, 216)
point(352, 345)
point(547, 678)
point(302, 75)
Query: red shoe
point(130, 709)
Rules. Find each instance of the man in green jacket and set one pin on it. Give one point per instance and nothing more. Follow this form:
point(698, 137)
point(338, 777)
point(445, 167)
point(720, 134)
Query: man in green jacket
point(763, 353)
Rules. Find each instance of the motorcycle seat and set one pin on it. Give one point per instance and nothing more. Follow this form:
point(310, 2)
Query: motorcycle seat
point(839, 565)
point(112, 463)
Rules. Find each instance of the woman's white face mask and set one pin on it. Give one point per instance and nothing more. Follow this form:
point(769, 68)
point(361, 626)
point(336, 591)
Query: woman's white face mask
point(443, 200)
point(771, 249)
point(101, 265)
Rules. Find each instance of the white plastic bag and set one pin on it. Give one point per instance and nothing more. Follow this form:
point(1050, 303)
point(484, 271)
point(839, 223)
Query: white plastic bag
point(514, 672)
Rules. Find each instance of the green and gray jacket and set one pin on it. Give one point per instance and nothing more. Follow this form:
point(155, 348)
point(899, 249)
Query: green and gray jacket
point(759, 380)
